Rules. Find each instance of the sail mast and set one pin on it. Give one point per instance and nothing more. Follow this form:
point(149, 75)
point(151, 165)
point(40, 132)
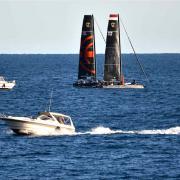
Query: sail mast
point(120, 57)
point(94, 50)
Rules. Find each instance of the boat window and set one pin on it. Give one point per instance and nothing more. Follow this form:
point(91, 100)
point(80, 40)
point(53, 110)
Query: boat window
point(67, 121)
point(1, 78)
point(44, 117)
point(63, 120)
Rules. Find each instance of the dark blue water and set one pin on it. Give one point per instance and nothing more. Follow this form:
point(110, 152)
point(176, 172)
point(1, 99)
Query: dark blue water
point(121, 134)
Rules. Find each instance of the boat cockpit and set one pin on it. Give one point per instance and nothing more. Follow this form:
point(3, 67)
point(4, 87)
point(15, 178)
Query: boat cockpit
point(2, 78)
point(63, 119)
point(66, 120)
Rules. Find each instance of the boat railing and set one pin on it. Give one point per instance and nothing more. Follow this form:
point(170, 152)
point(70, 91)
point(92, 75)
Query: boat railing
point(3, 115)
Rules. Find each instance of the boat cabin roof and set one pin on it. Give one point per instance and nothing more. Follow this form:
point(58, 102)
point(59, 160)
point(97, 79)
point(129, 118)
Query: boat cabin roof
point(54, 114)
point(61, 118)
point(2, 78)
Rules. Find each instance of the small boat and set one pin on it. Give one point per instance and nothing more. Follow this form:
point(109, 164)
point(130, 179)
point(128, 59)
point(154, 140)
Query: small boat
point(87, 56)
point(45, 123)
point(6, 84)
point(113, 71)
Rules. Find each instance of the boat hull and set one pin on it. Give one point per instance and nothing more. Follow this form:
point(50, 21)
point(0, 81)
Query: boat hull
point(7, 85)
point(88, 84)
point(33, 128)
point(126, 86)
point(102, 84)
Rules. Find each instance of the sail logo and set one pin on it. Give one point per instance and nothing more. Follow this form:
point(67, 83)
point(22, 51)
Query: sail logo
point(88, 24)
point(110, 33)
point(113, 24)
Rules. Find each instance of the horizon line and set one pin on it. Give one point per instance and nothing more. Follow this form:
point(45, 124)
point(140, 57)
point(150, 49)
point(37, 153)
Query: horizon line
point(78, 53)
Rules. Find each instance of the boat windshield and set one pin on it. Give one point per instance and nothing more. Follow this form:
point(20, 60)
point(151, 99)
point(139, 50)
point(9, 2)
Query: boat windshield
point(63, 120)
point(2, 78)
point(44, 117)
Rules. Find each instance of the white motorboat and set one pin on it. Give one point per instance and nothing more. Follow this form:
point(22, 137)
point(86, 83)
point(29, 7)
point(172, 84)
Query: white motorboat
point(6, 84)
point(45, 123)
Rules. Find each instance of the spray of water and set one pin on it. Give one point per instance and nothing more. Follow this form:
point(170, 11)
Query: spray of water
point(100, 130)
point(105, 130)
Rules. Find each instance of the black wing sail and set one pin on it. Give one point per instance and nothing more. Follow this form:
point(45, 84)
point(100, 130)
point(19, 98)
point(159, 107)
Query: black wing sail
point(87, 59)
point(112, 66)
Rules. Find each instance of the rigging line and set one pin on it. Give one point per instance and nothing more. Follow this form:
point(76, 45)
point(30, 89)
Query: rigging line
point(100, 30)
point(134, 51)
point(50, 101)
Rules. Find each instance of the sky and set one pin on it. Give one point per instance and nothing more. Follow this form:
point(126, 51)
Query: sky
point(54, 26)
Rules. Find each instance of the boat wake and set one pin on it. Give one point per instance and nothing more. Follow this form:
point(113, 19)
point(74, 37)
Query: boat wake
point(100, 130)
point(105, 130)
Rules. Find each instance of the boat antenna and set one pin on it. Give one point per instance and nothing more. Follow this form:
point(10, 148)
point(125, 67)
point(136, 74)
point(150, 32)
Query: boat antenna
point(134, 50)
point(100, 30)
point(50, 100)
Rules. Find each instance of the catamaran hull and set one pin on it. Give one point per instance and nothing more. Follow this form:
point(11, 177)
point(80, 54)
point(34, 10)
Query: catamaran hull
point(101, 85)
point(32, 128)
point(129, 86)
point(87, 85)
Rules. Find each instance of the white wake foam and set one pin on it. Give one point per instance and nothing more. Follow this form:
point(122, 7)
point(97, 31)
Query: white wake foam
point(105, 130)
point(173, 130)
point(100, 130)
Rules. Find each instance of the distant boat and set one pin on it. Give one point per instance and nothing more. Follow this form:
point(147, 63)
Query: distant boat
point(87, 55)
point(113, 72)
point(6, 84)
point(46, 123)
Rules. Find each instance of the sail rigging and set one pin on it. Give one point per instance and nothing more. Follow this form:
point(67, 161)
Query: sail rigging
point(112, 52)
point(87, 57)
point(137, 59)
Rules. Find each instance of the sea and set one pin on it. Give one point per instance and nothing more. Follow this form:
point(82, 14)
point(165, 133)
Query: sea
point(120, 133)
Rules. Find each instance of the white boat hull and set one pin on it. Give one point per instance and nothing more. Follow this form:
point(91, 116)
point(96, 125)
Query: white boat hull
point(7, 85)
point(126, 86)
point(28, 127)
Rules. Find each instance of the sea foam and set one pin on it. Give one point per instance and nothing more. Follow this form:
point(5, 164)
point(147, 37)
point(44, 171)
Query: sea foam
point(106, 130)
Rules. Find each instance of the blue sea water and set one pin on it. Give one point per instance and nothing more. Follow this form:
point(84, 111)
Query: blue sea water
point(121, 134)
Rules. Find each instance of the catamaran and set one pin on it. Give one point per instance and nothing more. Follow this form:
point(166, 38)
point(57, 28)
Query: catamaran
point(113, 72)
point(87, 55)
point(6, 84)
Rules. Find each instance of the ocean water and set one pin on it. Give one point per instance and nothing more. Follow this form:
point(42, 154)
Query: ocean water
point(120, 134)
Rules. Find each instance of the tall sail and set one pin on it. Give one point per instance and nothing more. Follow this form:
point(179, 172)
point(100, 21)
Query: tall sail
point(113, 65)
point(87, 59)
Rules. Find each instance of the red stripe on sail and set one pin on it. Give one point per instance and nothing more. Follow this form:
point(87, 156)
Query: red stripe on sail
point(86, 69)
point(113, 15)
point(87, 38)
point(90, 54)
point(86, 52)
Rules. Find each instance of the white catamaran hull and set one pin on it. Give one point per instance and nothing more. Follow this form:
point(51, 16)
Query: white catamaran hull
point(126, 86)
point(28, 127)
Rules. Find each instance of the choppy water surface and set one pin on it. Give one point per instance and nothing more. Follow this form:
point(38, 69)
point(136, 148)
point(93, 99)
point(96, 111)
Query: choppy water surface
point(120, 134)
